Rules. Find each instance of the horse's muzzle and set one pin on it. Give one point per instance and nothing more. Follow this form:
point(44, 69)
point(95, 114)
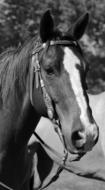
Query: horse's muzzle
point(84, 141)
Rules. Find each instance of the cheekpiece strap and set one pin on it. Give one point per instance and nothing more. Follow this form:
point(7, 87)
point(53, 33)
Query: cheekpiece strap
point(39, 81)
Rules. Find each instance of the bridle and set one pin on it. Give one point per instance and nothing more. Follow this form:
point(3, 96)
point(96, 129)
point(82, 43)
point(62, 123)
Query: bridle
point(35, 70)
point(35, 73)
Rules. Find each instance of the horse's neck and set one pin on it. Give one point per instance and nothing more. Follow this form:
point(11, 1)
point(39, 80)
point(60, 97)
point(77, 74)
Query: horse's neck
point(27, 121)
point(18, 118)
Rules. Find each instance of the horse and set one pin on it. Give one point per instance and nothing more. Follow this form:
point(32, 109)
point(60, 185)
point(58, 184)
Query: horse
point(43, 77)
point(45, 157)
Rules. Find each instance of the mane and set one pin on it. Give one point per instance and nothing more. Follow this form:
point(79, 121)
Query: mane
point(14, 67)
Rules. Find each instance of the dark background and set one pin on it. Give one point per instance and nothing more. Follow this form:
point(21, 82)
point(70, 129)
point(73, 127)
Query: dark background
point(20, 19)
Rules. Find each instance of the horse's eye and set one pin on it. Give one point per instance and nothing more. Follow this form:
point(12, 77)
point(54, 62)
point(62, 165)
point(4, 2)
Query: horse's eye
point(50, 71)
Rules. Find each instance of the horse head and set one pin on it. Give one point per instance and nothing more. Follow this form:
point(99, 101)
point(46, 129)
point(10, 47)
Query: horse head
point(59, 68)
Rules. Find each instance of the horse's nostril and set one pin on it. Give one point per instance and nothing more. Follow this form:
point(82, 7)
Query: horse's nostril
point(78, 139)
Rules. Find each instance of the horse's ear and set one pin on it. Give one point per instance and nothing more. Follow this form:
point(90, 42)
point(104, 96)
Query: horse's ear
point(46, 26)
point(79, 27)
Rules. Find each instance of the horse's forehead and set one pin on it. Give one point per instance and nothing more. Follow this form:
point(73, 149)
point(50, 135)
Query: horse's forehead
point(54, 55)
point(64, 55)
point(70, 61)
point(56, 51)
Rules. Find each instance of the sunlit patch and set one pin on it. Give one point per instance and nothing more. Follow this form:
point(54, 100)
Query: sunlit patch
point(70, 64)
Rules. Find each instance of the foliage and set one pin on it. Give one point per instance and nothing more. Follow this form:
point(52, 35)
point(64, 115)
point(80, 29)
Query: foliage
point(20, 19)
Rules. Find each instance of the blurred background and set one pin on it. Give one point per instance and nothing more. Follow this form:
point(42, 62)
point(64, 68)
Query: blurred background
point(19, 19)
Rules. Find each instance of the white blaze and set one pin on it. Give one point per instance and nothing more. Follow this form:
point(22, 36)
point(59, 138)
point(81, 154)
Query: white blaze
point(70, 61)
